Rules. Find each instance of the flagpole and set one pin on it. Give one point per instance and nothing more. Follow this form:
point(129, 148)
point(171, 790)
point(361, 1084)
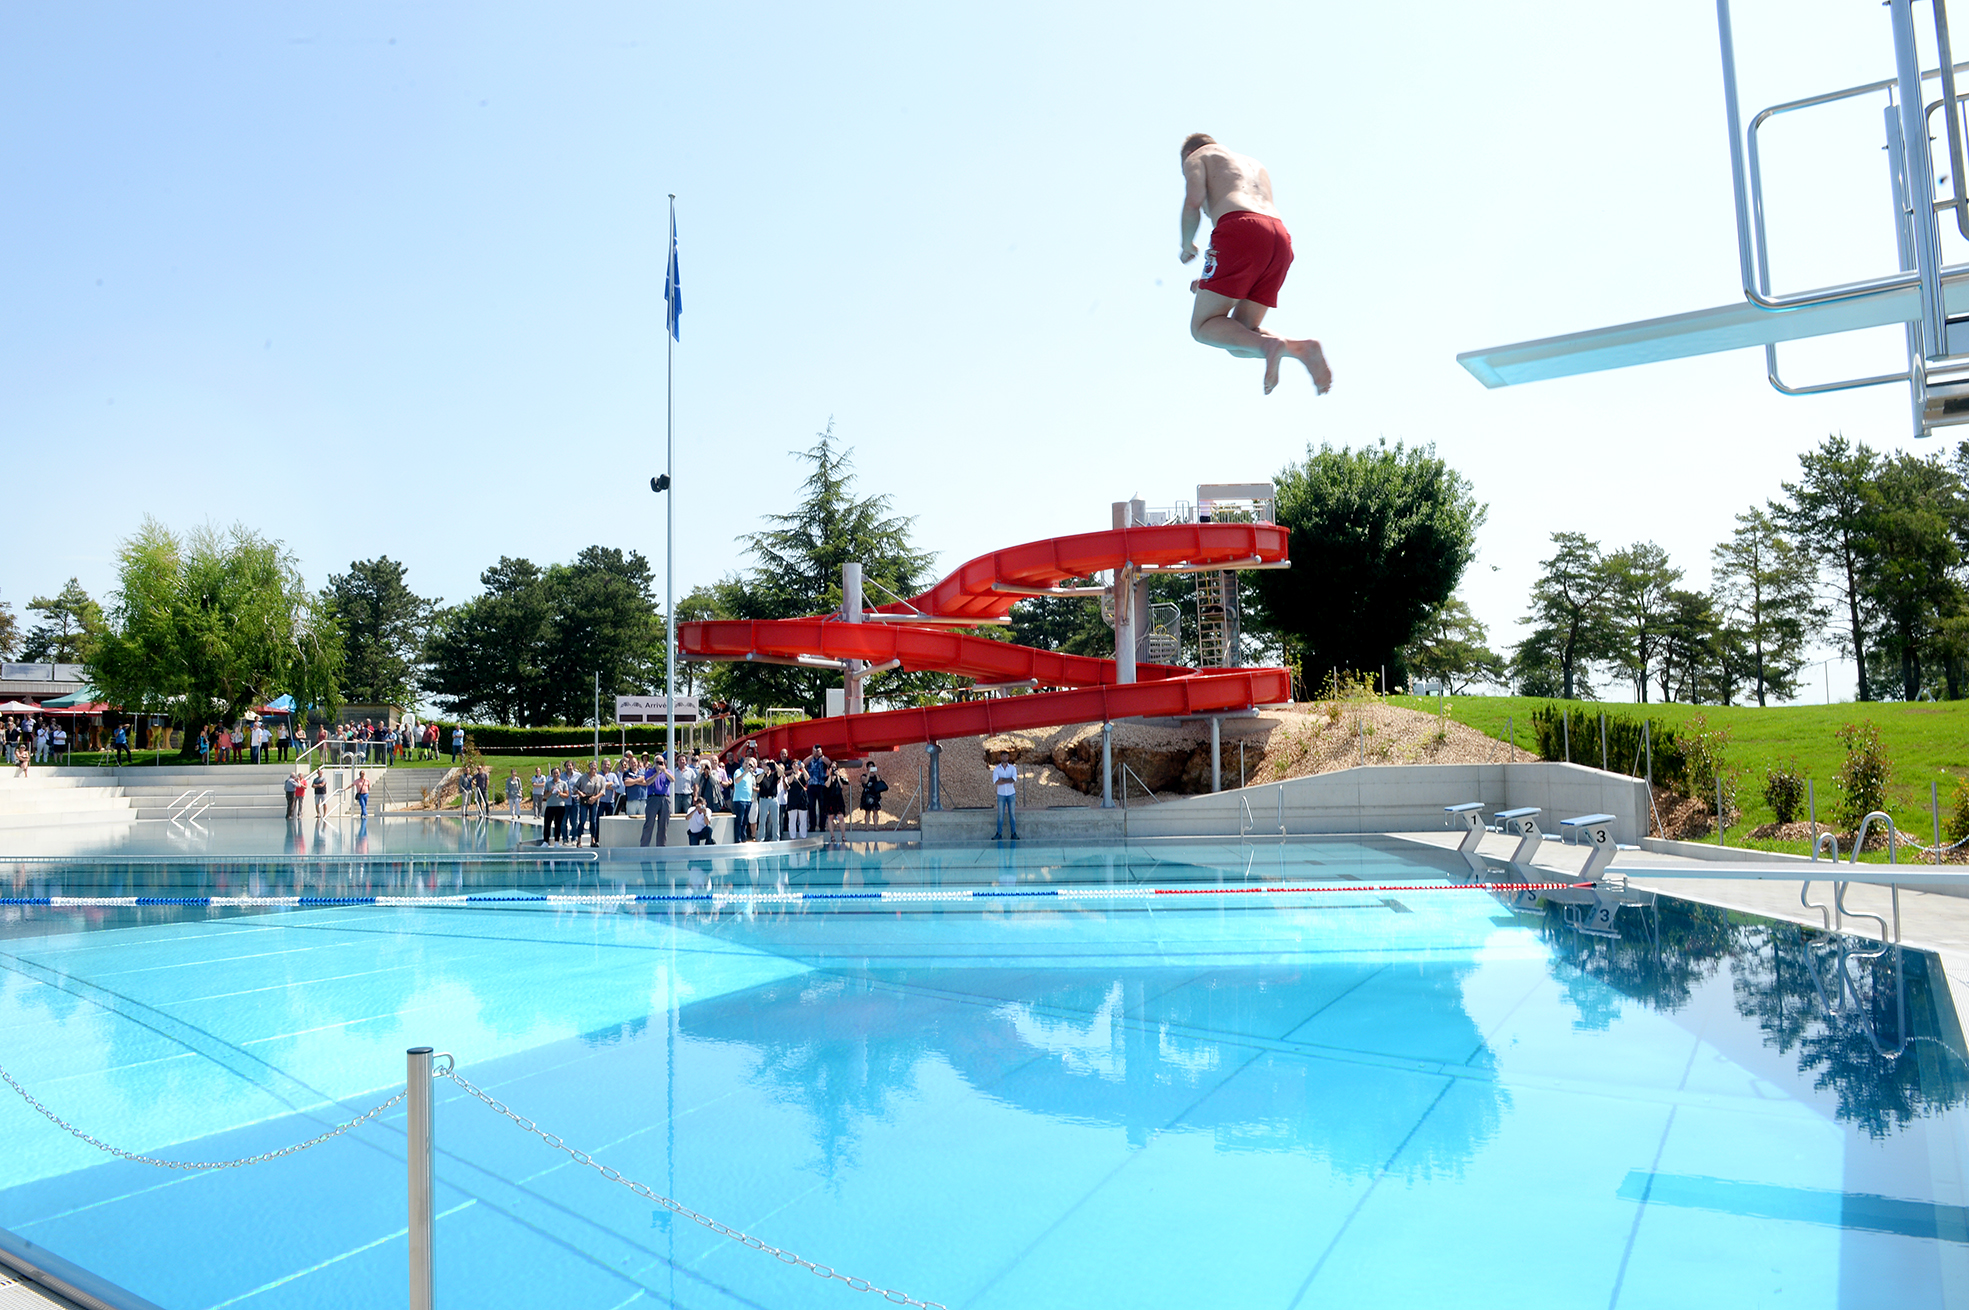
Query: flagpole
point(670, 501)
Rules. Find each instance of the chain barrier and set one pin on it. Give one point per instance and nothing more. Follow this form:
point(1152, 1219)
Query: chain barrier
point(1907, 842)
point(675, 1207)
point(450, 1071)
point(194, 1165)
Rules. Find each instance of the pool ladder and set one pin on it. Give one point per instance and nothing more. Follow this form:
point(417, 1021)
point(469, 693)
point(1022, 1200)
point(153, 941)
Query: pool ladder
point(188, 806)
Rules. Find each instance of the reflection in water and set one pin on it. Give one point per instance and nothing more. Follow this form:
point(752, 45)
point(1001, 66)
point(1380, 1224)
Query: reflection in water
point(1873, 1026)
point(1143, 1050)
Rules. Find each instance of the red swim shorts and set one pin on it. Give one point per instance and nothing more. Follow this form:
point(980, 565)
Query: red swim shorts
point(1248, 257)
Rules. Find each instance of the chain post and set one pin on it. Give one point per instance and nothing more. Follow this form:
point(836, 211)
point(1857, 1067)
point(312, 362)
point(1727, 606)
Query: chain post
point(417, 1076)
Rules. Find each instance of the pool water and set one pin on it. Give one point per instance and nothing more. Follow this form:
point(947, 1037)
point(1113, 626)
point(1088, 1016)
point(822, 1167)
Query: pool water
point(1413, 1098)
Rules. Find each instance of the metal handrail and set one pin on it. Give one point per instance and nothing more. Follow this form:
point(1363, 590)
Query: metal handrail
point(187, 811)
point(1750, 241)
point(1893, 837)
point(1804, 888)
point(1126, 774)
point(1245, 815)
point(1839, 888)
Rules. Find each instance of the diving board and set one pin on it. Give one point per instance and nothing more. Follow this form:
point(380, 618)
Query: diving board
point(1926, 296)
point(1698, 332)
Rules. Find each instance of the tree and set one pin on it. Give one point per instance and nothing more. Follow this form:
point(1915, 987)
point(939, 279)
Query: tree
point(1379, 539)
point(383, 626)
point(209, 625)
point(1639, 581)
point(1535, 669)
point(534, 648)
point(1570, 629)
point(1829, 515)
point(1908, 573)
point(10, 631)
point(485, 658)
point(798, 572)
point(1696, 664)
point(1763, 588)
point(607, 632)
point(67, 620)
point(1453, 647)
point(1072, 624)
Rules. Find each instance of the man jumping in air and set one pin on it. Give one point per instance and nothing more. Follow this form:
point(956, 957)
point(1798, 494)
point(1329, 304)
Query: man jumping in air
point(1250, 251)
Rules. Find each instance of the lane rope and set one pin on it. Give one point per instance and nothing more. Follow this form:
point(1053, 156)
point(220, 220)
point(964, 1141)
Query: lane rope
point(735, 896)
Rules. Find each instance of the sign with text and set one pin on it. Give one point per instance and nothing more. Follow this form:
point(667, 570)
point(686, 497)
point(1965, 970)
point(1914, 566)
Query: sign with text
point(651, 709)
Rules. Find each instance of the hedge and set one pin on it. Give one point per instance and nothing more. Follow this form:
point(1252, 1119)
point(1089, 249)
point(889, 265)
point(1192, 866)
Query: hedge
point(494, 738)
point(1624, 746)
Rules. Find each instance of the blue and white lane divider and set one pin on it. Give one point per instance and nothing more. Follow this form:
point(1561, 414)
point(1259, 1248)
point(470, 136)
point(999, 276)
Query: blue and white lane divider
point(744, 896)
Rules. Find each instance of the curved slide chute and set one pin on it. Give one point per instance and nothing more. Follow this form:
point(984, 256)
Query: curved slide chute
point(984, 590)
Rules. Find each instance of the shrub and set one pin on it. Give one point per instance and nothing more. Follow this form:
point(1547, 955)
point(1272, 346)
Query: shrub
point(1863, 777)
point(1625, 752)
point(1784, 789)
point(1704, 766)
point(498, 739)
point(1958, 819)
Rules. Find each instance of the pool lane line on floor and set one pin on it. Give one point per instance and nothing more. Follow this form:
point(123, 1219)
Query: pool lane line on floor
point(736, 897)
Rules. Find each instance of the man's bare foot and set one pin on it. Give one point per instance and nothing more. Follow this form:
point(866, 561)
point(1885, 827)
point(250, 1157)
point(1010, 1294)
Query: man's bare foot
point(1274, 348)
point(1310, 354)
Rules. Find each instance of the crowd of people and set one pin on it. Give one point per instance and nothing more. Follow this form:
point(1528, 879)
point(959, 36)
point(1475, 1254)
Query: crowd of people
point(369, 741)
point(779, 799)
point(32, 740)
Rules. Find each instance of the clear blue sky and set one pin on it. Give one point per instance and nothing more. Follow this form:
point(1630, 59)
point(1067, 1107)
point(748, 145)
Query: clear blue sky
point(387, 278)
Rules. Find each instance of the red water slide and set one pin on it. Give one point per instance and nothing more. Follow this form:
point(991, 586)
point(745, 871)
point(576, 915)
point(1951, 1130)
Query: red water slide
point(984, 589)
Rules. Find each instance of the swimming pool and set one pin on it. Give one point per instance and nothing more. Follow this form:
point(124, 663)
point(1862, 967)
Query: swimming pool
point(1371, 1097)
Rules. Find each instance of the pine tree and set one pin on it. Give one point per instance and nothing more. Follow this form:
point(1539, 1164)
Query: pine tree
point(1764, 588)
point(1829, 515)
point(798, 572)
point(67, 620)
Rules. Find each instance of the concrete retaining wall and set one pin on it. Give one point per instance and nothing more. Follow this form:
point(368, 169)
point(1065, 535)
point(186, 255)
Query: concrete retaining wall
point(1374, 798)
point(627, 830)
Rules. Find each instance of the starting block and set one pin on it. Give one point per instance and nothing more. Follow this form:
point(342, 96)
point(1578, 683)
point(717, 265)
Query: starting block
point(1522, 824)
point(1596, 830)
point(1472, 815)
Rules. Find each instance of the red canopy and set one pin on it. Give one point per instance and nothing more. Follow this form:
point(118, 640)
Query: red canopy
point(96, 707)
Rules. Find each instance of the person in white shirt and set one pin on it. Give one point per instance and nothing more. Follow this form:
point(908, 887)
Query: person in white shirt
point(1005, 776)
point(41, 744)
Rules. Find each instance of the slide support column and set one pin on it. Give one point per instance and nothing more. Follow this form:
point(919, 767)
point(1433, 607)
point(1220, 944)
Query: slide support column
point(851, 612)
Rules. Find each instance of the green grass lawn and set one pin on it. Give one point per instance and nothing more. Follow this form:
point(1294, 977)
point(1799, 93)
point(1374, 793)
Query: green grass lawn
point(1924, 742)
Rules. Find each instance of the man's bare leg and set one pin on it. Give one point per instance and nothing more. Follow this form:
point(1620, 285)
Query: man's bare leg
point(1234, 326)
point(1230, 325)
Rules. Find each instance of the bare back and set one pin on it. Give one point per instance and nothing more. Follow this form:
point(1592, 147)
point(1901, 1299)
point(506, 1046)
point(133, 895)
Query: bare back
point(1229, 181)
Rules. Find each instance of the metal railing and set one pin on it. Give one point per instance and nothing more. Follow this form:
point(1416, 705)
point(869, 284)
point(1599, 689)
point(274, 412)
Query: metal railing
point(1922, 267)
point(189, 805)
point(1126, 774)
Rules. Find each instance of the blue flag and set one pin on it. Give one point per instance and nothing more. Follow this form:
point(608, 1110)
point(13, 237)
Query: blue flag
point(673, 287)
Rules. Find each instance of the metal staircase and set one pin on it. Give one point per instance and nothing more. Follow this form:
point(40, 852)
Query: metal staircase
point(1217, 619)
point(1165, 634)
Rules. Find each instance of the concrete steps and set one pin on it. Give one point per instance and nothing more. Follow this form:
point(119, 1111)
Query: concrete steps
point(225, 791)
point(43, 801)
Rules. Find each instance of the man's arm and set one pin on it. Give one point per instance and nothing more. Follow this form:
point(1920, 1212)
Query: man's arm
point(1194, 194)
